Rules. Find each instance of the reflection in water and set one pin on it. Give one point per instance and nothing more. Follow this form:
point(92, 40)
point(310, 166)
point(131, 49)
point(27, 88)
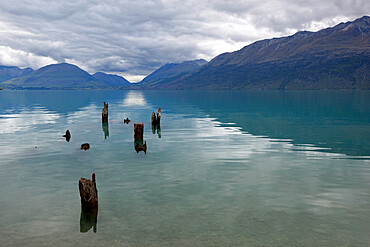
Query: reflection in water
point(139, 147)
point(158, 129)
point(88, 219)
point(159, 132)
point(105, 127)
point(266, 186)
point(26, 119)
point(134, 98)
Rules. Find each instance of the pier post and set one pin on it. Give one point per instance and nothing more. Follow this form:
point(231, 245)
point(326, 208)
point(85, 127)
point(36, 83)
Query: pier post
point(159, 116)
point(105, 113)
point(88, 192)
point(154, 119)
point(139, 144)
point(139, 131)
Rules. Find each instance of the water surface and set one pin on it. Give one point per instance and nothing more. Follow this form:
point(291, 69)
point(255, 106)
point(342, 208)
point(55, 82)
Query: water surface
point(225, 169)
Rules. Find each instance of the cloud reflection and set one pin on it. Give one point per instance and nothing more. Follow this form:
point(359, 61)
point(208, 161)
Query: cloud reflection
point(134, 98)
point(26, 119)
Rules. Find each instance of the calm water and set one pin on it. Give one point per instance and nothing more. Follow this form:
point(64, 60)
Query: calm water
point(226, 169)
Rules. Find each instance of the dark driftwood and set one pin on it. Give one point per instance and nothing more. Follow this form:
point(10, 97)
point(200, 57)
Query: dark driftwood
point(127, 121)
point(67, 136)
point(104, 113)
point(88, 192)
point(139, 147)
point(85, 146)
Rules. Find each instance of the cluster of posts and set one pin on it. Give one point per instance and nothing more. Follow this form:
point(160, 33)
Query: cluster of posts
point(87, 187)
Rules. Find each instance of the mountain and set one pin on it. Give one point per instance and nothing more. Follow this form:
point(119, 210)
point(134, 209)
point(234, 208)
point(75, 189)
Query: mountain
point(9, 72)
point(111, 80)
point(56, 76)
point(171, 72)
point(332, 58)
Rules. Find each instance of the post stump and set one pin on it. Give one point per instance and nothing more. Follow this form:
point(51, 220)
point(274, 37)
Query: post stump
point(88, 192)
point(104, 113)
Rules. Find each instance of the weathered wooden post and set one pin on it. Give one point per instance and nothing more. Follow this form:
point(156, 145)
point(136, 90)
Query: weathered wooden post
point(154, 119)
point(89, 203)
point(88, 192)
point(159, 116)
point(85, 146)
point(139, 138)
point(104, 113)
point(138, 131)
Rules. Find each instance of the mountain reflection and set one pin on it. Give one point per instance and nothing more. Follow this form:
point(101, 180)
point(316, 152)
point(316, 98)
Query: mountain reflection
point(331, 121)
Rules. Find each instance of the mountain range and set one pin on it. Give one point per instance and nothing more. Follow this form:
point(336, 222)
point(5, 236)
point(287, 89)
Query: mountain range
point(171, 72)
point(333, 58)
point(9, 72)
point(60, 76)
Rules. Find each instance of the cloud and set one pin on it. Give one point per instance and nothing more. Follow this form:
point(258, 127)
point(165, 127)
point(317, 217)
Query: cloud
point(134, 38)
point(9, 56)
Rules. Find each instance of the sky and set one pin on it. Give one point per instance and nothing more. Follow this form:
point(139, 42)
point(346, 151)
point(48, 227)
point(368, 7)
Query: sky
point(134, 38)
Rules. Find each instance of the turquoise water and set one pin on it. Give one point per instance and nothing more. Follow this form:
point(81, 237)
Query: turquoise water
point(226, 168)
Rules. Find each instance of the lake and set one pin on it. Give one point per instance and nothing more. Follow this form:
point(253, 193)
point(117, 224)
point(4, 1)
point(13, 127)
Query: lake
point(253, 168)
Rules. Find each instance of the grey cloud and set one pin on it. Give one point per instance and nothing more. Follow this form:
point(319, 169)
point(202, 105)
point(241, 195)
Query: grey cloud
point(136, 37)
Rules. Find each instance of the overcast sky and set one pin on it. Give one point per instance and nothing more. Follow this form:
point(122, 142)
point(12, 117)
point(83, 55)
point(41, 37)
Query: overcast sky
point(133, 38)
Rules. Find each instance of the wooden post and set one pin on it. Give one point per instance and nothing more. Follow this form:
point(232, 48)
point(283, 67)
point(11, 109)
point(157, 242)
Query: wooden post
point(138, 131)
point(88, 192)
point(154, 119)
point(104, 113)
point(139, 138)
point(159, 116)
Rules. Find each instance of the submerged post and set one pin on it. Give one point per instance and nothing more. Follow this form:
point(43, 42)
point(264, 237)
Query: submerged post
point(104, 113)
point(88, 192)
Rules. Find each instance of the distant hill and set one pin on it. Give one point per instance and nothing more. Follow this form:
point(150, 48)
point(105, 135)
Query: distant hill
point(9, 72)
point(171, 72)
point(111, 80)
point(56, 76)
point(333, 58)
